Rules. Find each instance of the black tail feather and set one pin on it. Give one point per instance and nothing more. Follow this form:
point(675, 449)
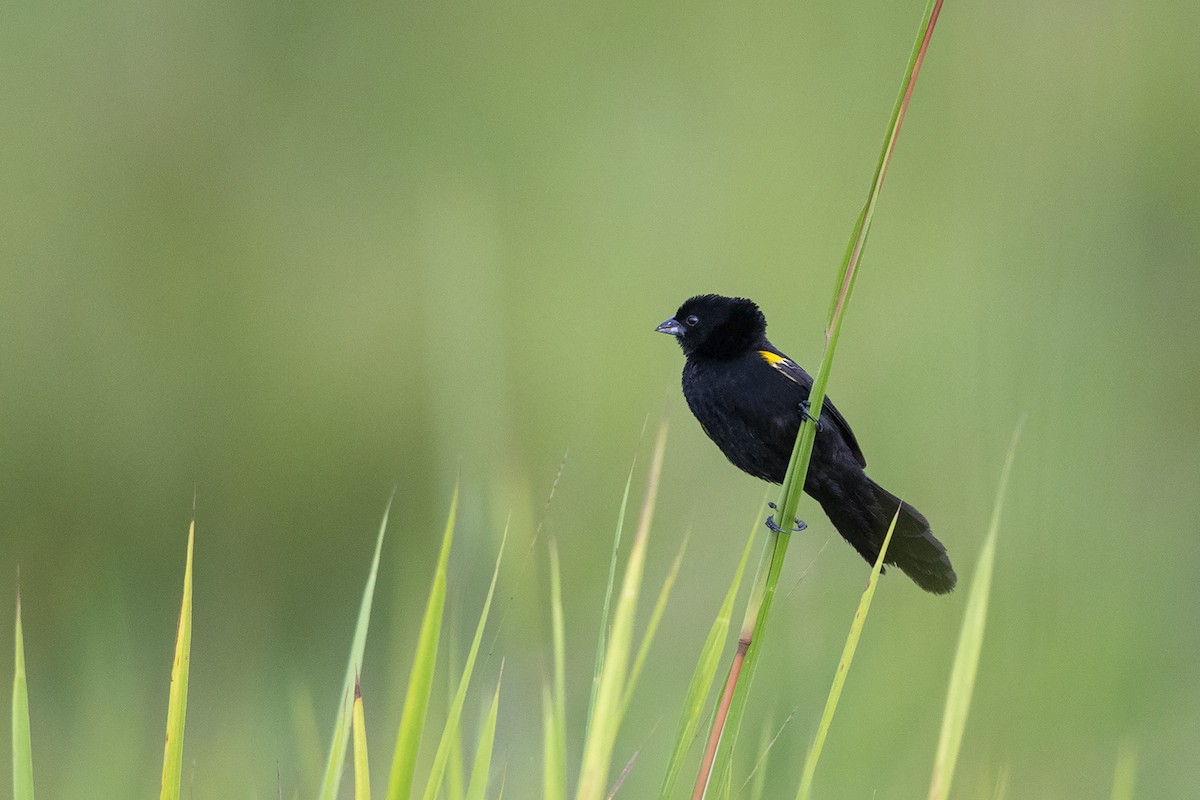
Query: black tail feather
point(914, 548)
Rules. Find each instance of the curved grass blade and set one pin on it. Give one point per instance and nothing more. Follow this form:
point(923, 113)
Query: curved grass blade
point(970, 643)
point(420, 680)
point(362, 770)
point(172, 771)
point(839, 678)
point(339, 742)
point(481, 767)
point(22, 741)
point(453, 720)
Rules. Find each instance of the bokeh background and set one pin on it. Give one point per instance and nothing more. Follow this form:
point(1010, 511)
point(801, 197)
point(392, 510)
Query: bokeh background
point(286, 257)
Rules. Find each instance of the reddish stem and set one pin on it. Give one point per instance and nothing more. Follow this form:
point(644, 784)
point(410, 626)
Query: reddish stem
point(718, 728)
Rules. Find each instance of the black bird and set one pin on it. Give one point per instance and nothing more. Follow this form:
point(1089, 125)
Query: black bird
point(750, 399)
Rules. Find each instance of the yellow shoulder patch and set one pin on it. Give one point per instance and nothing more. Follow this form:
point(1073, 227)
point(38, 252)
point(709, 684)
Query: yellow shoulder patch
point(774, 359)
point(781, 364)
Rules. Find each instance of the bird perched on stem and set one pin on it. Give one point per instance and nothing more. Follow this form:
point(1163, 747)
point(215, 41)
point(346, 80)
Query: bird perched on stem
point(750, 399)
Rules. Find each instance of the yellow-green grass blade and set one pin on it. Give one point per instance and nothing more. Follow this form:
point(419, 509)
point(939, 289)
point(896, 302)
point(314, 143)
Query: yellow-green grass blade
point(454, 718)
point(839, 678)
point(22, 740)
point(970, 644)
point(455, 787)
point(704, 672)
point(172, 771)
point(340, 741)
point(362, 769)
point(602, 640)
point(552, 784)
point(420, 680)
point(660, 606)
point(1125, 772)
point(481, 766)
point(606, 717)
point(554, 715)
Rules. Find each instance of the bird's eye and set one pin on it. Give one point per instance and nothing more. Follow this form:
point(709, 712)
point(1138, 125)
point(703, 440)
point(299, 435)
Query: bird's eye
point(692, 320)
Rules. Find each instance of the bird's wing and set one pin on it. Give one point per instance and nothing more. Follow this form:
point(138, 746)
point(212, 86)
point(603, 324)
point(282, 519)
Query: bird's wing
point(795, 373)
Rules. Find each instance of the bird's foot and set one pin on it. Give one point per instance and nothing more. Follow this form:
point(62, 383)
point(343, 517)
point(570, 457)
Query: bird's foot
point(772, 525)
point(805, 405)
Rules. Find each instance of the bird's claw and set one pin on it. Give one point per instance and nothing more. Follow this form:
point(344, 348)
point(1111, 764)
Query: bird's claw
point(805, 405)
point(773, 526)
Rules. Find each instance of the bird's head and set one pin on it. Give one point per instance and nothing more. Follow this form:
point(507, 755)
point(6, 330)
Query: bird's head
point(712, 326)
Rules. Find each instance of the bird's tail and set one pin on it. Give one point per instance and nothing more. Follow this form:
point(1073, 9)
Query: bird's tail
point(914, 548)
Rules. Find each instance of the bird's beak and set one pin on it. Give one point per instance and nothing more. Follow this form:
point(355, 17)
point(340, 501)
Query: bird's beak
point(671, 326)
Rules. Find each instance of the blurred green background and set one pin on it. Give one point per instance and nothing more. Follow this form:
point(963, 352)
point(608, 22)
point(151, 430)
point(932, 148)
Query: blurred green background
point(288, 256)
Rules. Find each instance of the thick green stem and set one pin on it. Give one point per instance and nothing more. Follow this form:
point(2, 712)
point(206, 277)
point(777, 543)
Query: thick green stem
point(742, 672)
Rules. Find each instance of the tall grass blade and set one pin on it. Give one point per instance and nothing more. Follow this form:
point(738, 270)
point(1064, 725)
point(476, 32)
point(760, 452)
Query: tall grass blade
point(970, 643)
point(340, 740)
point(554, 714)
point(839, 678)
point(172, 771)
point(420, 681)
point(22, 740)
point(614, 674)
point(733, 701)
point(454, 718)
point(704, 672)
point(362, 769)
point(481, 767)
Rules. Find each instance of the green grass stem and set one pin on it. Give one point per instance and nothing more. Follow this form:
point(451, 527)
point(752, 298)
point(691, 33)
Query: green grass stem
point(732, 706)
